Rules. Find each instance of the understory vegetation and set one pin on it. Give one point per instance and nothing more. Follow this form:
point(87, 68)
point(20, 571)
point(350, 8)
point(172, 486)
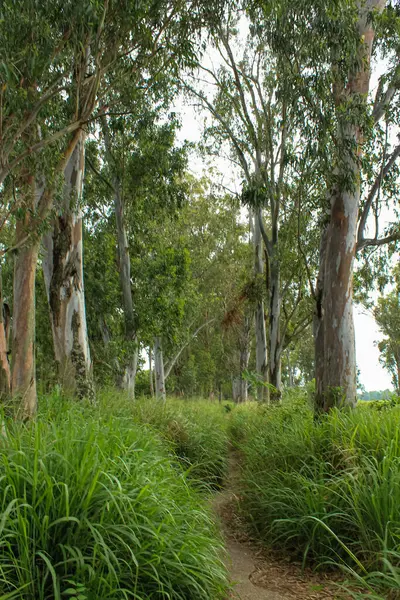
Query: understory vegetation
point(95, 506)
point(324, 491)
point(110, 500)
point(195, 431)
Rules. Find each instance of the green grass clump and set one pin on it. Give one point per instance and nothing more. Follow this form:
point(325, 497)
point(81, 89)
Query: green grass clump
point(328, 490)
point(195, 430)
point(92, 507)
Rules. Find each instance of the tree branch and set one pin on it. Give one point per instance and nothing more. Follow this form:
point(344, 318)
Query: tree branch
point(382, 103)
point(99, 175)
point(226, 127)
point(171, 364)
point(373, 191)
point(264, 235)
point(367, 242)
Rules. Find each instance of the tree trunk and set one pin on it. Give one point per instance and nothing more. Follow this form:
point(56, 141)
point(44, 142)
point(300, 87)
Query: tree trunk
point(151, 374)
point(290, 369)
point(318, 326)
point(63, 274)
point(23, 378)
point(130, 367)
point(159, 370)
point(236, 390)
point(243, 391)
point(336, 386)
point(244, 357)
point(339, 379)
point(23, 368)
point(261, 337)
point(275, 362)
point(5, 373)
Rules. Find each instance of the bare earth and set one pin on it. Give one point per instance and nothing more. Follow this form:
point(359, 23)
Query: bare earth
point(258, 575)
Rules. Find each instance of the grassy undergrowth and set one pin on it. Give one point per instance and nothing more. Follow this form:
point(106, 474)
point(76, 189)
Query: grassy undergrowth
point(195, 430)
point(92, 507)
point(327, 492)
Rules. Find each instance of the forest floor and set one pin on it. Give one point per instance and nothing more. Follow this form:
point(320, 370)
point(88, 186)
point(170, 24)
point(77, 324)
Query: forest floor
point(256, 573)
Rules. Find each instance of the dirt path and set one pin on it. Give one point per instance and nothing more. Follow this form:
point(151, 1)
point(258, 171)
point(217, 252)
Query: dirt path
point(256, 575)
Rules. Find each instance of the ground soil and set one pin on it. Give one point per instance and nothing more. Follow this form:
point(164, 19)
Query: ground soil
point(255, 573)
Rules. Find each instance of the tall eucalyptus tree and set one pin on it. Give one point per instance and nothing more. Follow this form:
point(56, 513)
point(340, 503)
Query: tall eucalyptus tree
point(254, 111)
point(327, 47)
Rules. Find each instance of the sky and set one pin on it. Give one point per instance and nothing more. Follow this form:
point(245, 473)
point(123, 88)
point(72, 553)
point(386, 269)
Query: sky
point(372, 375)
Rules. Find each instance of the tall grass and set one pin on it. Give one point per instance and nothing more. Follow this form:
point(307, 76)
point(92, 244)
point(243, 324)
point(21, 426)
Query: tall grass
point(91, 507)
point(195, 431)
point(326, 491)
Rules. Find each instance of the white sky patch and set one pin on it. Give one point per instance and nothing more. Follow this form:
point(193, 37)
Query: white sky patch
point(373, 375)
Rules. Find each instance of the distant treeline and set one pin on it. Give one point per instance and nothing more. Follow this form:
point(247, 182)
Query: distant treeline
point(376, 395)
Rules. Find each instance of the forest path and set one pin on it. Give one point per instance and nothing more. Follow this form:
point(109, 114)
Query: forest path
point(257, 575)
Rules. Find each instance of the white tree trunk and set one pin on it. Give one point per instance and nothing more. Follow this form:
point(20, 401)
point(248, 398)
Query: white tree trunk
point(159, 370)
point(236, 389)
point(151, 378)
point(260, 329)
point(244, 357)
point(130, 367)
point(275, 362)
point(290, 369)
point(63, 274)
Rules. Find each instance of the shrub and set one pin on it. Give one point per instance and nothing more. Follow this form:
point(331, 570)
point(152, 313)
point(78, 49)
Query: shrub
point(92, 508)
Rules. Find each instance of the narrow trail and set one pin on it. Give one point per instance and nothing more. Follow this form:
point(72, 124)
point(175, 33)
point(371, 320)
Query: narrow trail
point(257, 575)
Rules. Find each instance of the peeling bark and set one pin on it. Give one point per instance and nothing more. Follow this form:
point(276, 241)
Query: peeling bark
point(63, 274)
point(159, 370)
point(398, 373)
point(339, 378)
point(261, 336)
point(23, 368)
point(336, 382)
